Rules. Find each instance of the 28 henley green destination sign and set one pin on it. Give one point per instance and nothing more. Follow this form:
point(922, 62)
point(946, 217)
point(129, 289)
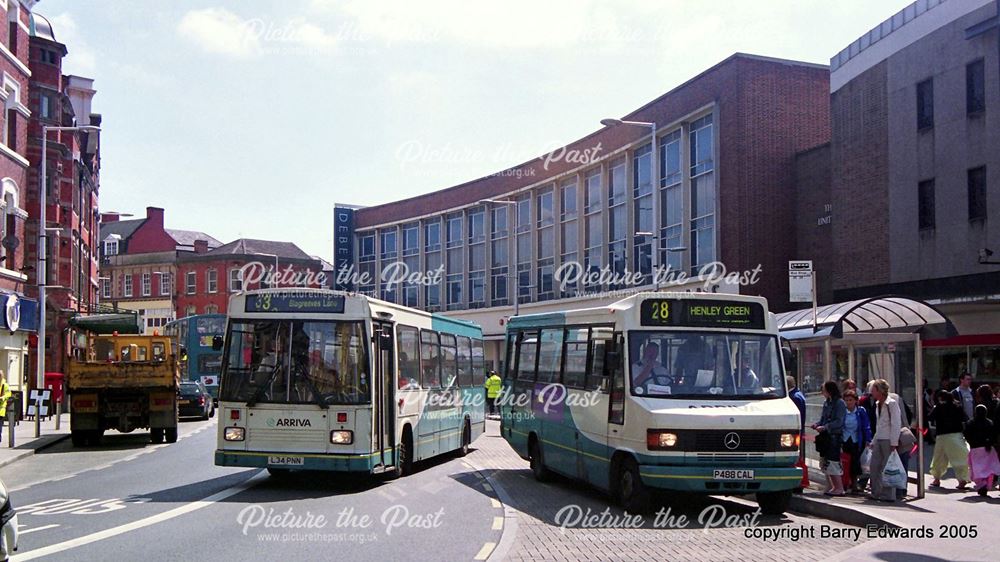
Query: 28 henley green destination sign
point(330, 304)
point(701, 313)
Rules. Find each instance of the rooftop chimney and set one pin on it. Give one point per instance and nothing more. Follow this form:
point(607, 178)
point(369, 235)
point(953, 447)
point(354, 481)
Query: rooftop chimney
point(200, 246)
point(110, 217)
point(155, 216)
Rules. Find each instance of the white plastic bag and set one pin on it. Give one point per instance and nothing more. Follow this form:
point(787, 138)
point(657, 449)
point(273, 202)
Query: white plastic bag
point(893, 475)
point(866, 461)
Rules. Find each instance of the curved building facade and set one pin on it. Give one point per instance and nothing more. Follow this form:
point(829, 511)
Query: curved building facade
point(695, 190)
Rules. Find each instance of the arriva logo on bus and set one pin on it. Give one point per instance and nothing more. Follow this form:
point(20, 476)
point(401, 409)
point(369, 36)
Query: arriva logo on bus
point(288, 422)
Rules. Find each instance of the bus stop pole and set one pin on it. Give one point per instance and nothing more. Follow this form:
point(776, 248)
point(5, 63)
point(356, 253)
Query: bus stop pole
point(918, 364)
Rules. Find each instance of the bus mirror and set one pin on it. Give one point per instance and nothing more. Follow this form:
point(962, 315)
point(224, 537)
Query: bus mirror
point(216, 343)
point(786, 356)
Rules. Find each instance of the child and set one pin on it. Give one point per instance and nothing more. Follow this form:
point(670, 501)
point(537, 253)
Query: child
point(983, 461)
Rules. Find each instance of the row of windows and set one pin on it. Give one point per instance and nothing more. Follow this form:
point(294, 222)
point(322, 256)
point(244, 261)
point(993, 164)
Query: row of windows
point(145, 282)
point(473, 277)
point(975, 94)
point(428, 359)
point(976, 190)
point(576, 357)
point(191, 309)
point(212, 281)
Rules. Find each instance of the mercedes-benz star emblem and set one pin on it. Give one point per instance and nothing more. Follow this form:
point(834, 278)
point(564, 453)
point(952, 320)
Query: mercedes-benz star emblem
point(732, 440)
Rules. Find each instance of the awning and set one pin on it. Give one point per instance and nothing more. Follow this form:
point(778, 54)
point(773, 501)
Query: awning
point(123, 323)
point(873, 315)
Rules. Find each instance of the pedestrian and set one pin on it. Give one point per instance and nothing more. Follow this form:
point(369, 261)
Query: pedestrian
point(4, 398)
point(983, 462)
point(963, 394)
point(831, 430)
point(867, 401)
point(950, 448)
point(886, 438)
point(800, 402)
point(492, 391)
point(907, 437)
point(857, 435)
point(848, 384)
point(984, 396)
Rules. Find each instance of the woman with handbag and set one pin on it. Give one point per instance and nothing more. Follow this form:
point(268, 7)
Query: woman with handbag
point(885, 442)
point(831, 430)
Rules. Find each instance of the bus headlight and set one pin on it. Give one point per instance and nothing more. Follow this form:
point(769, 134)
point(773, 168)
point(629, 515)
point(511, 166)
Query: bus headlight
point(341, 437)
point(234, 434)
point(790, 440)
point(656, 439)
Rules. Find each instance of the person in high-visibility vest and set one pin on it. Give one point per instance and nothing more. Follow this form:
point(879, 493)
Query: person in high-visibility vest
point(4, 398)
point(492, 390)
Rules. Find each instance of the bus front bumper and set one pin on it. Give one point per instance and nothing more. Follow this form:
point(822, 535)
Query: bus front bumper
point(702, 479)
point(335, 463)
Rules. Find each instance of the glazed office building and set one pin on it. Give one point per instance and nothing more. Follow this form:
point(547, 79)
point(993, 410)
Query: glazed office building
point(715, 185)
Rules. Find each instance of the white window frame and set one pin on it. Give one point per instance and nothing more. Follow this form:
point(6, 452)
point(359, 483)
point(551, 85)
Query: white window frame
point(191, 282)
point(127, 285)
point(212, 281)
point(235, 281)
point(147, 284)
point(165, 283)
point(106, 288)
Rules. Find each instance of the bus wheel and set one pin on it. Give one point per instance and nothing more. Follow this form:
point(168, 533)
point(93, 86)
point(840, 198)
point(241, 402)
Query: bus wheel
point(170, 434)
point(466, 440)
point(278, 472)
point(156, 435)
point(541, 473)
point(631, 492)
point(774, 503)
point(404, 462)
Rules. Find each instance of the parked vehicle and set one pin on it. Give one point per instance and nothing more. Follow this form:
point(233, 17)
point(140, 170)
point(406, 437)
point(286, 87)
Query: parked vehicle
point(8, 524)
point(125, 383)
point(194, 400)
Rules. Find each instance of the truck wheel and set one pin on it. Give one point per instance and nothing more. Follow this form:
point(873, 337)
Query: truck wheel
point(171, 434)
point(95, 437)
point(156, 435)
point(79, 438)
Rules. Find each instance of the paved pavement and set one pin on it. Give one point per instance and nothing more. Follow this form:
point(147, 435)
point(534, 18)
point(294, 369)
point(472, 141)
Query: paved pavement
point(25, 442)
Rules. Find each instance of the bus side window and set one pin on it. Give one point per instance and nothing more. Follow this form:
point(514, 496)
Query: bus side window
point(527, 356)
point(464, 361)
point(430, 360)
point(600, 341)
point(575, 371)
point(409, 359)
point(478, 364)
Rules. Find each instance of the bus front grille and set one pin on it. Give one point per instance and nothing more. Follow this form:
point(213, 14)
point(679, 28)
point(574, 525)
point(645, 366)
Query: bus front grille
point(735, 441)
point(729, 457)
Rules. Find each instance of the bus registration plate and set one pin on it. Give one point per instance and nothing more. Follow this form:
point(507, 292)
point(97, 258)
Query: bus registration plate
point(731, 474)
point(285, 461)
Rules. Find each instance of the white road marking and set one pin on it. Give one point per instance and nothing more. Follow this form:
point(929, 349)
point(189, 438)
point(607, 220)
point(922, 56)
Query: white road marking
point(135, 525)
point(484, 552)
point(495, 503)
point(497, 523)
point(42, 528)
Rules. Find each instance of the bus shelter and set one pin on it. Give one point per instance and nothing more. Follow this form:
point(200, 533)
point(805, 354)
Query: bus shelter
point(864, 340)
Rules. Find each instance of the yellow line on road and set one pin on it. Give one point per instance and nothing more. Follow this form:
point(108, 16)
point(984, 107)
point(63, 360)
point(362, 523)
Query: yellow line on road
point(495, 503)
point(484, 552)
point(497, 523)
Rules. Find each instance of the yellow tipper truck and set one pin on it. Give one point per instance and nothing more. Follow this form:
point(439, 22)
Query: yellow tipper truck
point(125, 383)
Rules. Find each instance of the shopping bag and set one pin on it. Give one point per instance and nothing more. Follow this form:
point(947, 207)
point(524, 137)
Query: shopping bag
point(893, 475)
point(845, 462)
point(866, 461)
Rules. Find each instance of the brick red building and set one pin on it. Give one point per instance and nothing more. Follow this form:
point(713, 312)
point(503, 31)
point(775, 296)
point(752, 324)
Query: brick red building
point(73, 179)
point(139, 265)
point(722, 190)
point(14, 200)
point(207, 277)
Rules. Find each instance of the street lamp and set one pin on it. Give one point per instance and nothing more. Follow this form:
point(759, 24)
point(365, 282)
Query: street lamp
point(677, 249)
point(654, 150)
point(517, 274)
point(40, 270)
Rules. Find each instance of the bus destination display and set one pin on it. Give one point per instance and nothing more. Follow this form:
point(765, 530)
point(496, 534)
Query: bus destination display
point(329, 304)
point(701, 313)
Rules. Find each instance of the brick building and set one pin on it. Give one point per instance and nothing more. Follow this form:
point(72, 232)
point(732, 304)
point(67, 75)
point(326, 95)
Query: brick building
point(721, 190)
point(73, 178)
point(912, 178)
point(20, 313)
point(139, 265)
point(207, 277)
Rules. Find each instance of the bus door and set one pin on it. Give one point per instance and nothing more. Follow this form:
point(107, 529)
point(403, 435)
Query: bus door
point(383, 400)
point(593, 446)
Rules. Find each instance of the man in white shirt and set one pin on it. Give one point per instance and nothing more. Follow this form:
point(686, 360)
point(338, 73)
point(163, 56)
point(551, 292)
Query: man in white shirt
point(963, 394)
point(649, 366)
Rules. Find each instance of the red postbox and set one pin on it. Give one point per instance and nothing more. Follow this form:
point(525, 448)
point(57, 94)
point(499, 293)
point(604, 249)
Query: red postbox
point(54, 382)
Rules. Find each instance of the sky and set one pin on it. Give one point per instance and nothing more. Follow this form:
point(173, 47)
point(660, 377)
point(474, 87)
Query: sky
point(252, 118)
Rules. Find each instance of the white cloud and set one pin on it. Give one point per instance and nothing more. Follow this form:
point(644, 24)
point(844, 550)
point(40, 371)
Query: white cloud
point(219, 31)
point(81, 59)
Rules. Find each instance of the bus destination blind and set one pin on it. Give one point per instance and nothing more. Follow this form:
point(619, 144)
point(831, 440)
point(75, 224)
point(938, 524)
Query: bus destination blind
point(328, 304)
point(701, 313)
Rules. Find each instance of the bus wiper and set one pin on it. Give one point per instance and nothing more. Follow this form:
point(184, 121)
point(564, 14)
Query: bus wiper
point(315, 392)
point(260, 389)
